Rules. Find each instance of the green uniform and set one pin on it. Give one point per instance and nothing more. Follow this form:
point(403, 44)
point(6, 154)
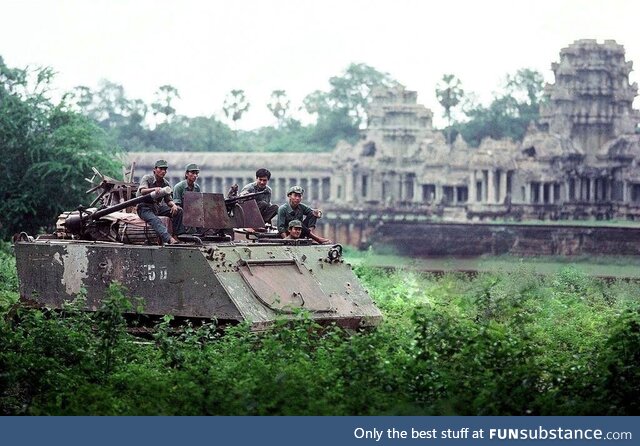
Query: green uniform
point(149, 181)
point(181, 188)
point(304, 213)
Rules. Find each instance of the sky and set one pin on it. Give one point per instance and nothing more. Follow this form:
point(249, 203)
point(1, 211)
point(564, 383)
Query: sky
point(206, 48)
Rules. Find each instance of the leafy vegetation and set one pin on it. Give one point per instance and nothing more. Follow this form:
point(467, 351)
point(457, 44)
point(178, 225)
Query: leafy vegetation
point(339, 112)
point(509, 113)
point(516, 343)
point(8, 278)
point(48, 149)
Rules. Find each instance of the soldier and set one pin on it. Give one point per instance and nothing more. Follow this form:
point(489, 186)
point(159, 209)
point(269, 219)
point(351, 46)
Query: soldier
point(162, 206)
point(294, 209)
point(295, 230)
point(188, 184)
point(267, 210)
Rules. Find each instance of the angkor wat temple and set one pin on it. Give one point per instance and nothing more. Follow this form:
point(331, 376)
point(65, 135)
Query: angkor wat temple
point(579, 161)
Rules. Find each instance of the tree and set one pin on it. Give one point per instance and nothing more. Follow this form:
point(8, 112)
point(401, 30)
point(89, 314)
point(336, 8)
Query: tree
point(164, 98)
point(197, 134)
point(527, 88)
point(449, 93)
point(235, 105)
point(279, 105)
point(342, 110)
point(510, 112)
point(111, 105)
point(50, 150)
point(349, 93)
point(82, 97)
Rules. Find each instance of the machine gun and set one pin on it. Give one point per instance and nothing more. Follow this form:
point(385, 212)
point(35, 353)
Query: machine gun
point(231, 202)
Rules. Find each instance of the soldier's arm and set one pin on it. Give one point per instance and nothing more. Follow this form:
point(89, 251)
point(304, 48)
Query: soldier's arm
point(146, 186)
point(306, 210)
point(267, 196)
point(179, 194)
point(247, 189)
point(282, 221)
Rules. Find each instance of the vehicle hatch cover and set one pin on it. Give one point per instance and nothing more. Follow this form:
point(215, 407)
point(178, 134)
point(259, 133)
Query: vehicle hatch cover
point(285, 286)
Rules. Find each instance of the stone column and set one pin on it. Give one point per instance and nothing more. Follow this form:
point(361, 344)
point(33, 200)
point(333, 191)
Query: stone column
point(567, 195)
point(592, 190)
point(333, 192)
point(351, 235)
point(472, 187)
point(348, 186)
point(320, 188)
point(502, 193)
point(541, 192)
point(311, 192)
point(527, 193)
point(375, 185)
point(491, 187)
point(625, 192)
point(552, 188)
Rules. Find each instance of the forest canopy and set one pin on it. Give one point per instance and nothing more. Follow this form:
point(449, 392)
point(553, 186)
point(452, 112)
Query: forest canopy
point(340, 112)
point(48, 150)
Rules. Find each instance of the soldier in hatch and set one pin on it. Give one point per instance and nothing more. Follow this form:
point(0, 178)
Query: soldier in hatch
point(294, 209)
point(295, 230)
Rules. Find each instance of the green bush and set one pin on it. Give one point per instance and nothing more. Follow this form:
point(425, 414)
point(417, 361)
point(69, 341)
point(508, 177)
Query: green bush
point(8, 278)
point(495, 344)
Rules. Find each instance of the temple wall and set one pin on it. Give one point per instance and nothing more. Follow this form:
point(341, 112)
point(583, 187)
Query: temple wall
point(461, 240)
point(579, 162)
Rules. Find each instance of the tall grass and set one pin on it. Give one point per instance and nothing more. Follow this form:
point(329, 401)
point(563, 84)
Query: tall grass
point(515, 343)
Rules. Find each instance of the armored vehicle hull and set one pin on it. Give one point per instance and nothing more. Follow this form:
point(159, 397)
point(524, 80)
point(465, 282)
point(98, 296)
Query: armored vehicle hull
point(229, 282)
point(208, 276)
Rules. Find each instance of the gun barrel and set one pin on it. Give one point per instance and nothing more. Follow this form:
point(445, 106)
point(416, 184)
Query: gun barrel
point(239, 198)
point(74, 223)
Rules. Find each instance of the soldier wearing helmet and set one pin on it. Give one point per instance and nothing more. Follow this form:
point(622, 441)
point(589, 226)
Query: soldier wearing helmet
point(191, 173)
point(295, 230)
point(294, 209)
point(164, 206)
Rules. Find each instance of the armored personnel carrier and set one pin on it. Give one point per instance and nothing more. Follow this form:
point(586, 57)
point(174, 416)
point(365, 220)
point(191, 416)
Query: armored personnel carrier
point(210, 274)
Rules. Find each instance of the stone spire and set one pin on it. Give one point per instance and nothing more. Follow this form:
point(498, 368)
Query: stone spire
point(398, 121)
point(591, 100)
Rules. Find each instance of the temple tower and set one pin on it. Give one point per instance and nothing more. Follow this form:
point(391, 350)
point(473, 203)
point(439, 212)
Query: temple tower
point(397, 121)
point(591, 100)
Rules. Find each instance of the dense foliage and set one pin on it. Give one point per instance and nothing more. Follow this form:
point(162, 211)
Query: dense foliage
point(47, 150)
point(493, 344)
point(509, 113)
point(137, 126)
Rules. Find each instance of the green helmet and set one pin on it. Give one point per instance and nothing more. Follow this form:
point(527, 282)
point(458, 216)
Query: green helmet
point(295, 190)
point(295, 224)
point(191, 167)
point(161, 163)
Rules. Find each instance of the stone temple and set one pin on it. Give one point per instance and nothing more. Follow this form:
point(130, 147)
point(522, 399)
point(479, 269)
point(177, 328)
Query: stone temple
point(578, 162)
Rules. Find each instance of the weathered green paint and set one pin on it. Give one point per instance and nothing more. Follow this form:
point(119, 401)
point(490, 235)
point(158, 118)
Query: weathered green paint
point(230, 282)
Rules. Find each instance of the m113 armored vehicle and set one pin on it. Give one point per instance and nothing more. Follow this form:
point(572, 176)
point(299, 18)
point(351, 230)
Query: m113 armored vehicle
point(210, 275)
